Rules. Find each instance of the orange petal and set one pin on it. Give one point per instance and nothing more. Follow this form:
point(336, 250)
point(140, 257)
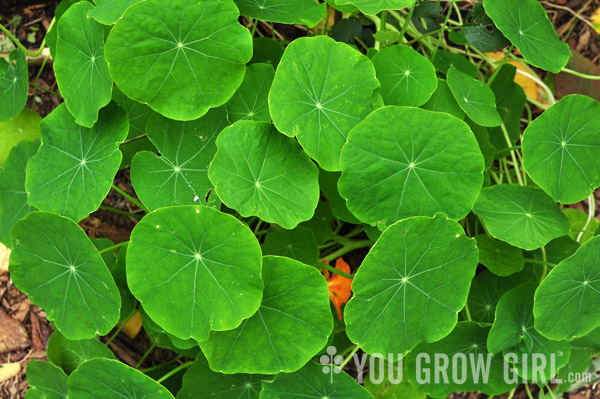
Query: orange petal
point(340, 287)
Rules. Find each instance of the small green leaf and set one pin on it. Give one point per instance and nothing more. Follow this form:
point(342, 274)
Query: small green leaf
point(179, 176)
point(162, 339)
point(443, 61)
point(295, 308)
point(372, 7)
point(386, 38)
point(522, 216)
point(170, 55)
point(526, 24)
point(259, 172)
point(194, 269)
point(298, 244)
point(266, 50)
point(46, 381)
point(322, 89)
point(474, 97)
point(110, 379)
point(74, 167)
point(419, 270)
point(250, 101)
point(69, 354)
point(571, 290)
point(561, 151)
point(399, 163)
point(26, 126)
point(311, 382)
point(303, 12)
point(80, 67)
point(499, 257)
point(442, 100)
point(108, 12)
point(14, 85)
point(61, 271)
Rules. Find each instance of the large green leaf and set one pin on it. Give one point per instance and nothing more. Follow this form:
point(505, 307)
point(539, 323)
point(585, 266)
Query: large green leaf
point(298, 244)
point(561, 151)
point(513, 332)
point(110, 379)
point(322, 89)
point(411, 286)
point(311, 382)
point(69, 354)
point(259, 172)
point(372, 7)
point(474, 97)
point(14, 85)
point(80, 67)
point(522, 216)
point(304, 12)
point(400, 162)
point(250, 101)
point(179, 176)
point(407, 77)
point(61, 271)
point(499, 257)
point(46, 381)
point(13, 197)
point(526, 24)
point(26, 126)
point(194, 269)
point(180, 58)
point(108, 12)
point(74, 167)
point(295, 308)
point(567, 302)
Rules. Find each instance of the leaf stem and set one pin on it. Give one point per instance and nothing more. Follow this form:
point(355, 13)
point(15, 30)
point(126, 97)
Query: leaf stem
point(113, 247)
point(512, 154)
point(512, 393)
point(175, 371)
point(120, 211)
point(591, 213)
point(159, 366)
point(335, 271)
point(130, 198)
point(349, 247)
point(349, 357)
point(150, 349)
point(468, 312)
point(545, 260)
point(112, 337)
point(581, 75)
point(20, 45)
point(407, 21)
point(539, 262)
point(529, 395)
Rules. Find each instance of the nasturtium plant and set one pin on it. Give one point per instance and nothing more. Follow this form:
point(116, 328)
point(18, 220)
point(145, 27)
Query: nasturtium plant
point(287, 197)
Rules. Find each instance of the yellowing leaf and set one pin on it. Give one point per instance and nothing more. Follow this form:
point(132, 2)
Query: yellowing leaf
point(133, 325)
point(4, 255)
point(9, 370)
point(529, 86)
point(596, 20)
point(340, 288)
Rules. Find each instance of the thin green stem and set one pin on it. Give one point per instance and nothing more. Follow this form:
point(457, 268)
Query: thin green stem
point(335, 271)
point(512, 154)
point(441, 38)
point(349, 357)
point(581, 75)
point(20, 45)
point(112, 337)
point(113, 247)
point(407, 22)
point(468, 312)
point(512, 393)
point(539, 262)
point(159, 366)
point(552, 395)
point(591, 214)
point(120, 211)
point(42, 88)
point(363, 44)
point(174, 371)
point(351, 246)
point(357, 230)
point(257, 227)
point(37, 77)
point(150, 349)
point(383, 25)
point(499, 66)
point(545, 260)
point(130, 198)
point(506, 171)
point(505, 151)
point(529, 395)
point(325, 21)
point(254, 25)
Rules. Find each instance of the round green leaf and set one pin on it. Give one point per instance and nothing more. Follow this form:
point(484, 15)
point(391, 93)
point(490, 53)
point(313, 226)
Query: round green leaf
point(26, 126)
point(522, 216)
point(400, 162)
point(69, 354)
point(14, 85)
point(295, 308)
point(60, 270)
point(407, 77)
point(180, 58)
point(303, 12)
point(259, 172)
point(474, 97)
point(526, 24)
point(179, 176)
point(110, 379)
point(372, 7)
point(513, 331)
point(322, 89)
point(194, 269)
point(250, 101)
point(298, 244)
point(561, 151)
point(74, 167)
point(411, 286)
point(108, 12)
point(567, 302)
point(311, 382)
point(442, 100)
point(499, 257)
point(80, 67)
point(13, 197)
point(46, 381)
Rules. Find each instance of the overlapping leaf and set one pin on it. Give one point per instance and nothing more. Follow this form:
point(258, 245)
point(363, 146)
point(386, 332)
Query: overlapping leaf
point(108, 12)
point(46, 381)
point(372, 7)
point(13, 84)
point(475, 98)
point(304, 12)
point(298, 244)
point(442, 100)
point(26, 126)
point(499, 257)
point(250, 101)
point(69, 354)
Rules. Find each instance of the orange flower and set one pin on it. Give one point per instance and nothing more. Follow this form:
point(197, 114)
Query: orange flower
point(339, 286)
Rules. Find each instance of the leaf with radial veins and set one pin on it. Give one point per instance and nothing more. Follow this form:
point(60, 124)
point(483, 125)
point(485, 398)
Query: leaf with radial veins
point(179, 176)
point(571, 290)
point(411, 286)
point(525, 23)
point(74, 167)
point(80, 67)
point(137, 113)
point(298, 244)
point(322, 89)
point(110, 379)
point(259, 172)
point(60, 270)
point(399, 163)
point(372, 7)
point(26, 126)
point(108, 12)
point(475, 98)
point(13, 197)
point(69, 354)
point(522, 216)
point(499, 257)
point(303, 12)
point(310, 382)
point(407, 77)
point(194, 269)
point(179, 57)
point(561, 149)
point(14, 85)
point(295, 308)
point(46, 381)
point(250, 101)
